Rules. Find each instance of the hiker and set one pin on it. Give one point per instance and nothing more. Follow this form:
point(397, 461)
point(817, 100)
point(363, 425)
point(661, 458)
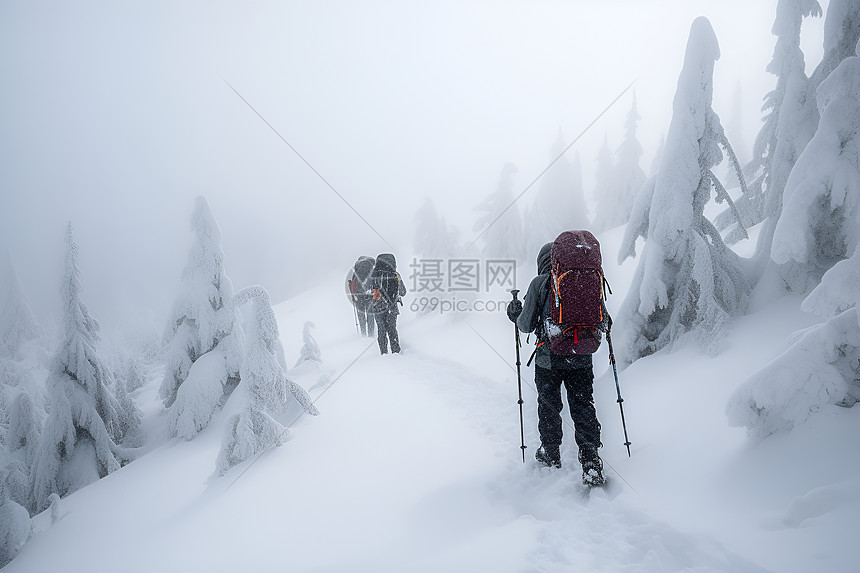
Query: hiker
point(387, 290)
point(358, 287)
point(552, 371)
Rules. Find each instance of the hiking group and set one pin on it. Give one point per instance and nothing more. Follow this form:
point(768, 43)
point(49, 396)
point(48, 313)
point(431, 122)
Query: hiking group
point(564, 308)
point(375, 289)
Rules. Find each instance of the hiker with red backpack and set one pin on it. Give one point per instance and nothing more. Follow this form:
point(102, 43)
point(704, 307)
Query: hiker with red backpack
point(564, 308)
point(387, 290)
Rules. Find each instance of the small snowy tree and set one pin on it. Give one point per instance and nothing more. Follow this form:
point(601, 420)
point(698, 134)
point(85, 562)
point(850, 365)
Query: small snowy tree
point(18, 324)
point(79, 440)
point(269, 393)
point(687, 283)
point(195, 325)
point(627, 178)
point(501, 225)
point(310, 350)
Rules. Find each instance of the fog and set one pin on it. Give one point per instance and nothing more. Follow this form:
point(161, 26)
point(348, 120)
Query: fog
point(116, 115)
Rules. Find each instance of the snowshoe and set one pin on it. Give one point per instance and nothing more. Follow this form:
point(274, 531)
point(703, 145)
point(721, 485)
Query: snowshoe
point(550, 457)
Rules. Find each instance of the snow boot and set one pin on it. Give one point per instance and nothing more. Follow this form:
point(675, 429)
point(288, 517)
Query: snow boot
point(592, 468)
point(549, 456)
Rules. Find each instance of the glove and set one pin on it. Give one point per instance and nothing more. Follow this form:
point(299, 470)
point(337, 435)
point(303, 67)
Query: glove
point(514, 309)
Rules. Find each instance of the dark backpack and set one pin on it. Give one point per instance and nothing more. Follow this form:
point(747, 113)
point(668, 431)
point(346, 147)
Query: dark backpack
point(362, 269)
point(576, 294)
point(386, 281)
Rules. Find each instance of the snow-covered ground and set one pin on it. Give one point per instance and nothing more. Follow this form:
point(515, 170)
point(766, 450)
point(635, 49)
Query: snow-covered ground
point(414, 465)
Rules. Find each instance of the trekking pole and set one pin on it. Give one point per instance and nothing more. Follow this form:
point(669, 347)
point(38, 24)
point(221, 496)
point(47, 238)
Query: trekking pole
point(617, 387)
point(519, 382)
point(355, 312)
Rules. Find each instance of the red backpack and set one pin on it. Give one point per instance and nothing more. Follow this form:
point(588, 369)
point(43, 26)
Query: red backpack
point(576, 294)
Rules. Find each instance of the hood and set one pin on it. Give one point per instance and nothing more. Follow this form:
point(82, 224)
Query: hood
point(544, 259)
point(386, 260)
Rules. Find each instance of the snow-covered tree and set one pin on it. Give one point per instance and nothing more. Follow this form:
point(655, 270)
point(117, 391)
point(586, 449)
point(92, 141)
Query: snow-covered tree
point(267, 390)
point(434, 238)
point(25, 428)
point(841, 34)
point(18, 324)
point(604, 185)
point(15, 525)
point(501, 225)
point(80, 436)
point(614, 206)
point(820, 232)
point(195, 325)
point(789, 123)
point(819, 225)
point(687, 283)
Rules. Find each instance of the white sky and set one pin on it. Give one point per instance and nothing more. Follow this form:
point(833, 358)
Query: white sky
point(115, 116)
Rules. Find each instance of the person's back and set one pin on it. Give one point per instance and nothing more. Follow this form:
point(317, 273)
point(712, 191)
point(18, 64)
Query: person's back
point(387, 289)
point(552, 372)
point(359, 287)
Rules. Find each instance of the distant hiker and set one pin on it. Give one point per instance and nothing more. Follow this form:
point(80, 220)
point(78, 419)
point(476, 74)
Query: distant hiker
point(387, 289)
point(563, 353)
point(358, 287)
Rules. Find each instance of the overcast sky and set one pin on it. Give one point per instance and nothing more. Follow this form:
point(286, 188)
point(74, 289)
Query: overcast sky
point(116, 114)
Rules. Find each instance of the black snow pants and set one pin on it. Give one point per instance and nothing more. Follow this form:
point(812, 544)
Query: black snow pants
point(386, 329)
point(578, 382)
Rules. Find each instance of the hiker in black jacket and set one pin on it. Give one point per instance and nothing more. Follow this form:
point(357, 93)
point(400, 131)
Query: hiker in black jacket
point(388, 288)
point(552, 371)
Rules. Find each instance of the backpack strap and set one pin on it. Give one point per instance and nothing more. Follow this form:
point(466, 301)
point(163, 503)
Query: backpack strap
point(529, 363)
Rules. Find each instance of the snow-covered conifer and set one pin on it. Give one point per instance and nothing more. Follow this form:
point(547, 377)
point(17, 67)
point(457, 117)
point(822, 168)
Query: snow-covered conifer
point(25, 428)
point(78, 442)
point(789, 123)
point(18, 324)
point(15, 525)
point(604, 181)
point(501, 225)
point(615, 205)
point(687, 281)
point(841, 34)
point(195, 325)
point(820, 219)
point(818, 234)
point(268, 391)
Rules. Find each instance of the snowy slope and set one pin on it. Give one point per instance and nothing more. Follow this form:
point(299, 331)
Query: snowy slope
point(414, 465)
